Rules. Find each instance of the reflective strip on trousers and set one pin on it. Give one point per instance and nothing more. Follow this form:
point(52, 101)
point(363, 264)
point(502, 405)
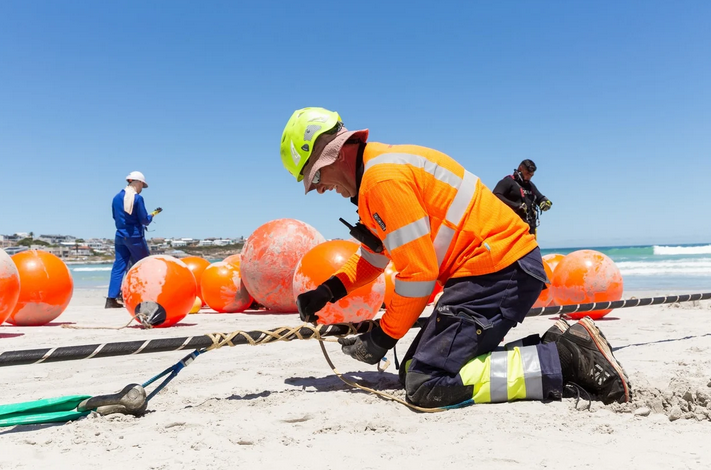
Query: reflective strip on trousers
point(503, 376)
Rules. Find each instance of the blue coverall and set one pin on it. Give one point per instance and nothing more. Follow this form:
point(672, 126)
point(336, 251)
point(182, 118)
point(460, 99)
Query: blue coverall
point(130, 241)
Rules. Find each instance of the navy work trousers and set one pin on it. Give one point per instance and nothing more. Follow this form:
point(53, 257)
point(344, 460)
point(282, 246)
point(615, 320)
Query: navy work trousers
point(471, 319)
point(128, 249)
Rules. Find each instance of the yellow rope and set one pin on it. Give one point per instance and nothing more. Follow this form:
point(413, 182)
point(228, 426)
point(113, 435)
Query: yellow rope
point(290, 333)
point(283, 333)
point(384, 395)
point(286, 334)
point(76, 327)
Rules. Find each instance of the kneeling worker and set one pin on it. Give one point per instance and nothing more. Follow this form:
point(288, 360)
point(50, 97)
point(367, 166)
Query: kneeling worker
point(437, 222)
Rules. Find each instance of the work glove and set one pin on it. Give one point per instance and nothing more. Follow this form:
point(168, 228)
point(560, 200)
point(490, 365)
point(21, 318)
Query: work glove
point(362, 348)
point(545, 205)
point(310, 302)
point(157, 211)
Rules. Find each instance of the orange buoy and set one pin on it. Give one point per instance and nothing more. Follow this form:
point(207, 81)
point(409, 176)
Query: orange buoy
point(320, 263)
point(234, 259)
point(9, 285)
point(586, 276)
point(159, 291)
point(553, 259)
point(46, 287)
point(197, 305)
point(269, 259)
point(545, 298)
point(389, 275)
point(223, 290)
point(197, 265)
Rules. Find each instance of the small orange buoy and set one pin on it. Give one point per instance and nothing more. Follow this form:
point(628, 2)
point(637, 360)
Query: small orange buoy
point(553, 259)
point(437, 289)
point(389, 274)
point(46, 287)
point(9, 285)
point(269, 259)
point(234, 259)
point(197, 265)
point(320, 263)
point(159, 291)
point(197, 305)
point(223, 290)
point(545, 298)
point(586, 276)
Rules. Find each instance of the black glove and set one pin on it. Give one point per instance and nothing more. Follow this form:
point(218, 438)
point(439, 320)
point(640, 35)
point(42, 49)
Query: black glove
point(157, 211)
point(310, 302)
point(369, 347)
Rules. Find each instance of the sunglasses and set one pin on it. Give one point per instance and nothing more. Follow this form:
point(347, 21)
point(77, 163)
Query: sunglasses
point(317, 178)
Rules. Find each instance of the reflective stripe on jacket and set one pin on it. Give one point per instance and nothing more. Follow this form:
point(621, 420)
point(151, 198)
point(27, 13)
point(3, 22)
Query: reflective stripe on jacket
point(437, 221)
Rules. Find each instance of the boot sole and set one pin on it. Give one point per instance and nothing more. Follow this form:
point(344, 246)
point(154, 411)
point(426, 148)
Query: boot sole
point(603, 347)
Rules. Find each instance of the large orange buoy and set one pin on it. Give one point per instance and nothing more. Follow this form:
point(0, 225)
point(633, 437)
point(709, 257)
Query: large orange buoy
point(586, 276)
point(46, 287)
point(320, 263)
point(9, 285)
point(545, 298)
point(269, 259)
point(159, 291)
point(223, 290)
point(197, 265)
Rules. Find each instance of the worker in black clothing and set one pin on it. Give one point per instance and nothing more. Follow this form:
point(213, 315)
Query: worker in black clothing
point(520, 194)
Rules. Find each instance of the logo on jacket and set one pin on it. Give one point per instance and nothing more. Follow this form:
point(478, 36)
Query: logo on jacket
point(379, 221)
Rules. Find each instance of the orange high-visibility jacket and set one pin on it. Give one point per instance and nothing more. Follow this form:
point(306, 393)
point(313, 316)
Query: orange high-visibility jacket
point(437, 221)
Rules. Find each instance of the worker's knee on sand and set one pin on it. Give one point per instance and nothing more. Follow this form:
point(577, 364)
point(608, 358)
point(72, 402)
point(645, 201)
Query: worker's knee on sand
point(432, 392)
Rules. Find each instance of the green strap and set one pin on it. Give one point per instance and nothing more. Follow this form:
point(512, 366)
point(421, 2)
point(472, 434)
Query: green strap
point(49, 410)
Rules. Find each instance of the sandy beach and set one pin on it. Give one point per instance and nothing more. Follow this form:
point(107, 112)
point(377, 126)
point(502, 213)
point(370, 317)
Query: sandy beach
point(280, 406)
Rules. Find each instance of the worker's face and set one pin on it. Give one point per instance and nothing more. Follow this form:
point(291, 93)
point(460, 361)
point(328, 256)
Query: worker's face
point(138, 186)
point(527, 175)
point(338, 176)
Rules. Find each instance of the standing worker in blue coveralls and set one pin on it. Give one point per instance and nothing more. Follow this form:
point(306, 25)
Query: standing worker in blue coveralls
point(131, 218)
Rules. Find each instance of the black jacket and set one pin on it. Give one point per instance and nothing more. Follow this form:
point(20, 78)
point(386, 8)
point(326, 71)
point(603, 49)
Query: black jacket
point(513, 192)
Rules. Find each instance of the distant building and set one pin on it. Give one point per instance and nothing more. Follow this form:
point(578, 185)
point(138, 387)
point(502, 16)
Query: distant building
point(56, 239)
point(15, 249)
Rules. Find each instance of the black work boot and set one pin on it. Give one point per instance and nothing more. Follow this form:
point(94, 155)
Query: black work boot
point(587, 360)
point(113, 303)
point(555, 331)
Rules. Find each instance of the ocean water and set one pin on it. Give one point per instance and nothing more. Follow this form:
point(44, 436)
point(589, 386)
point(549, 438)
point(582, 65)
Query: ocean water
point(664, 269)
point(669, 269)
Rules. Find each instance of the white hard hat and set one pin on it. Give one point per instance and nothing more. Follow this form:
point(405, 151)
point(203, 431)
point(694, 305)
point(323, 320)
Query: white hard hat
point(137, 176)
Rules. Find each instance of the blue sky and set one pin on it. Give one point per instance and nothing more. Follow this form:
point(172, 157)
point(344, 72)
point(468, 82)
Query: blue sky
point(610, 99)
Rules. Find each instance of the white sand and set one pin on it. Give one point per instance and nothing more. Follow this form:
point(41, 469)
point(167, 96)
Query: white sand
point(279, 405)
